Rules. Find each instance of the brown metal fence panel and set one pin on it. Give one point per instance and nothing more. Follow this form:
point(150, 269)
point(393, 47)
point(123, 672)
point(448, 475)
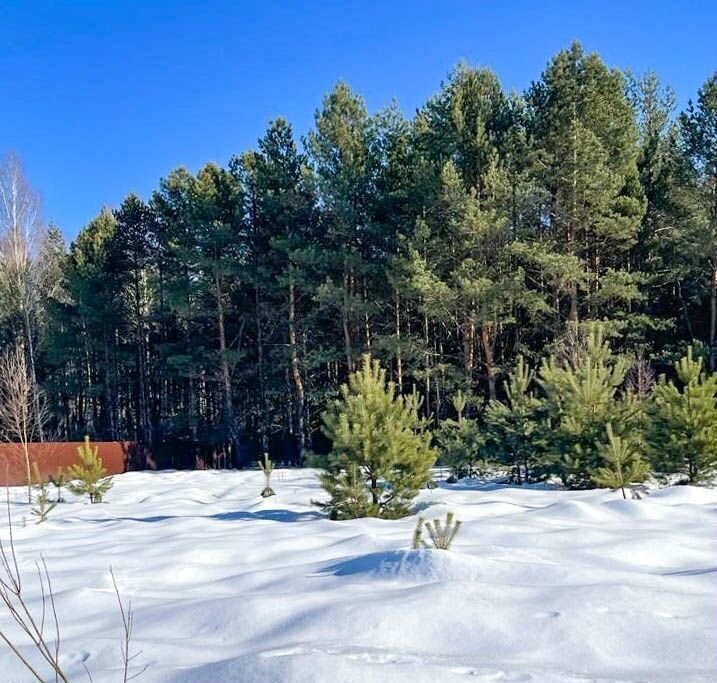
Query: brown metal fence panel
point(50, 457)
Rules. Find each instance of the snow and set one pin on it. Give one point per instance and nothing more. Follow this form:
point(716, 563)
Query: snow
point(541, 585)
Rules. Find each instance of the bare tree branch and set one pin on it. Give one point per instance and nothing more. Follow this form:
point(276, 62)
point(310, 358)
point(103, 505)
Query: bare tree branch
point(12, 598)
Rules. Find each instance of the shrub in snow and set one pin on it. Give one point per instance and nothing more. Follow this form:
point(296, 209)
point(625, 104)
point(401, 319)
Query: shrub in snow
point(89, 477)
point(381, 452)
point(441, 534)
point(623, 464)
point(267, 467)
point(43, 504)
point(682, 431)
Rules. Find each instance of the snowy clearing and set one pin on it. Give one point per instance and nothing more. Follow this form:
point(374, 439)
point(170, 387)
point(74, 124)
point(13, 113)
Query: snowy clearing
point(544, 586)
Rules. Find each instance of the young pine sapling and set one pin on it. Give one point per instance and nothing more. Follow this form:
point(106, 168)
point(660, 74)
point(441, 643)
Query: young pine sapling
point(441, 534)
point(43, 504)
point(90, 477)
point(58, 480)
point(623, 464)
point(267, 467)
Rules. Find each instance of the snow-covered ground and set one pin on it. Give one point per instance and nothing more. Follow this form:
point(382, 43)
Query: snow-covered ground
point(544, 586)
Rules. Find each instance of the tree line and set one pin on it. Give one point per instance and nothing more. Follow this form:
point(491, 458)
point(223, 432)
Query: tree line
point(224, 313)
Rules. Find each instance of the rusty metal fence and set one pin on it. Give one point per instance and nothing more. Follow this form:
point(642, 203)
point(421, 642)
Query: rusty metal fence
point(117, 457)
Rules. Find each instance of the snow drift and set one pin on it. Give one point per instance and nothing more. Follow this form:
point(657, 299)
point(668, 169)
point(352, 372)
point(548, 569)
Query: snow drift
point(544, 586)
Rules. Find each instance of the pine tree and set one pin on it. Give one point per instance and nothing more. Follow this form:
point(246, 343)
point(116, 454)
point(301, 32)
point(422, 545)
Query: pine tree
point(513, 427)
point(459, 258)
point(623, 464)
point(129, 262)
point(285, 219)
point(90, 476)
point(340, 154)
point(699, 136)
point(349, 498)
point(584, 142)
point(682, 432)
point(381, 453)
point(460, 441)
point(85, 359)
point(580, 382)
point(43, 505)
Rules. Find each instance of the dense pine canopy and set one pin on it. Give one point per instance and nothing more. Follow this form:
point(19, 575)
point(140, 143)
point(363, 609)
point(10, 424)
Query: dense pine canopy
point(225, 312)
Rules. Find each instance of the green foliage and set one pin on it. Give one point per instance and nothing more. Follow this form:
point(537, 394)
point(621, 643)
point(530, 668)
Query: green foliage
point(586, 147)
point(460, 441)
point(43, 504)
point(381, 453)
point(516, 437)
point(580, 384)
point(89, 477)
point(623, 463)
point(267, 467)
point(441, 534)
point(682, 433)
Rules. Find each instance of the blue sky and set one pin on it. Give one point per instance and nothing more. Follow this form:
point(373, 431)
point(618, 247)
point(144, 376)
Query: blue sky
point(103, 98)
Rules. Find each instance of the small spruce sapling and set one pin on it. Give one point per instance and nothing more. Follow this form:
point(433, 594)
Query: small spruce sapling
point(43, 504)
point(267, 467)
point(623, 464)
point(90, 477)
point(441, 534)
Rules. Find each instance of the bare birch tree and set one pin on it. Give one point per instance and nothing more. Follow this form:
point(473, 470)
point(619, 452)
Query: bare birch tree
point(23, 412)
point(22, 239)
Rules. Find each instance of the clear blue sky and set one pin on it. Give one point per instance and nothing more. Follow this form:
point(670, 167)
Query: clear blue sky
point(103, 97)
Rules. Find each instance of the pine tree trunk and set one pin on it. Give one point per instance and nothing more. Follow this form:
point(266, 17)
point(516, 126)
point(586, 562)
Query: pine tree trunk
point(366, 320)
point(260, 370)
point(713, 318)
point(143, 402)
point(685, 311)
point(573, 313)
point(399, 363)
point(226, 376)
point(346, 324)
point(87, 409)
point(109, 392)
point(33, 374)
point(488, 339)
point(469, 348)
point(163, 380)
point(427, 366)
point(295, 370)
